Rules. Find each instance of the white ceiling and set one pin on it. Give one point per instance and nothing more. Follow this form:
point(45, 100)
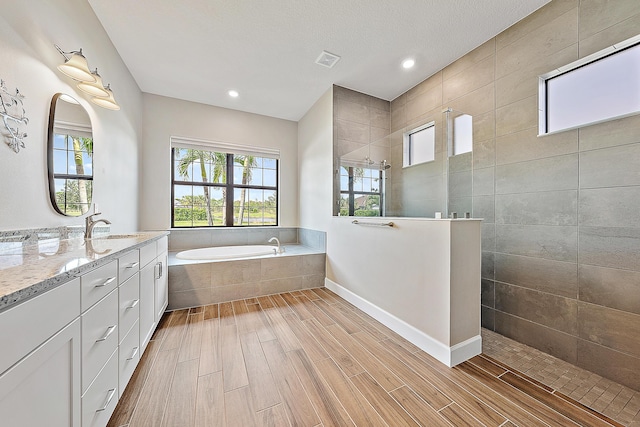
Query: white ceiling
point(197, 50)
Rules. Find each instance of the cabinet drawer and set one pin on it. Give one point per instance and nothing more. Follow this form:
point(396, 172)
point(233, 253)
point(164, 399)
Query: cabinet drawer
point(101, 398)
point(99, 336)
point(129, 356)
point(129, 305)
point(128, 264)
point(98, 283)
point(147, 254)
point(29, 324)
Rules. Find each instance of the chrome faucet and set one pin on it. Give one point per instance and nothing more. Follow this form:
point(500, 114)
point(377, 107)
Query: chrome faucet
point(89, 225)
point(280, 249)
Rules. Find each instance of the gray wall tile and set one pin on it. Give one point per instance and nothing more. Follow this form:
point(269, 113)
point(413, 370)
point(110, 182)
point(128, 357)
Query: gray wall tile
point(596, 15)
point(610, 207)
point(619, 367)
point(526, 145)
point(483, 181)
point(610, 287)
point(553, 173)
point(608, 327)
point(352, 111)
point(556, 34)
point(610, 167)
point(520, 115)
point(613, 247)
point(610, 36)
point(488, 240)
point(470, 59)
point(189, 239)
point(534, 21)
point(487, 293)
point(553, 311)
point(542, 241)
point(488, 267)
point(481, 74)
point(483, 207)
point(544, 208)
point(487, 318)
point(559, 344)
point(610, 134)
point(554, 277)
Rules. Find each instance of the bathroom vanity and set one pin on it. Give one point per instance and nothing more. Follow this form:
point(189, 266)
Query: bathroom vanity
point(75, 317)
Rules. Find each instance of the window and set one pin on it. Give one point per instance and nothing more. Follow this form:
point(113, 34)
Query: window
point(72, 169)
point(223, 189)
point(600, 87)
point(360, 191)
point(419, 145)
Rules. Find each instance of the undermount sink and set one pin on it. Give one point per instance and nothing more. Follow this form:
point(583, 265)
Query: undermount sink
point(120, 236)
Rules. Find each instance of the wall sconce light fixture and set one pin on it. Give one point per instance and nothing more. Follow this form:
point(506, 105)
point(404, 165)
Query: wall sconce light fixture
point(76, 67)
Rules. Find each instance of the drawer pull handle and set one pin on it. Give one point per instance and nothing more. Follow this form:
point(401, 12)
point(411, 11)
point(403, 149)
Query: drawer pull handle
point(135, 351)
point(106, 282)
point(133, 304)
point(109, 332)
point(133, 265)
point(112, 392)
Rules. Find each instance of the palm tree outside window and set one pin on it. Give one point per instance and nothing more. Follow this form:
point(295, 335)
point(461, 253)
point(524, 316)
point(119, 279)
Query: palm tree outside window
point(215, 189)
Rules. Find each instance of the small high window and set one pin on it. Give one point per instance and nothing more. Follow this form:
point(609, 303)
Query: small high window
point(600, 87)
point(419, 145)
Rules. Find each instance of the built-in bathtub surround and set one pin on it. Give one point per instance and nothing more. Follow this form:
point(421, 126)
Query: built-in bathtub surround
point(194, 238)
point(199, 282)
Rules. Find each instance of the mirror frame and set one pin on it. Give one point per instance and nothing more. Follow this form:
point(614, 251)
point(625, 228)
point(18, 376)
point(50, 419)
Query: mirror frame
point(50, 154)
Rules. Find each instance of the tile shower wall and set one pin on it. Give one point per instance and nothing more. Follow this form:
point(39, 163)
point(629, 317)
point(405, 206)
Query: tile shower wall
point(561, 236)
point(358, 120)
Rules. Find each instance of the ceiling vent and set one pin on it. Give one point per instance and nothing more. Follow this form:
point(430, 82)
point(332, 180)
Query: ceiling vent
point(327, 59)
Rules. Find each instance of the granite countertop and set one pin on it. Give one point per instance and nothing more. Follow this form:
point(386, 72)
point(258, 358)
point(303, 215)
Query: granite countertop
point(29, 269)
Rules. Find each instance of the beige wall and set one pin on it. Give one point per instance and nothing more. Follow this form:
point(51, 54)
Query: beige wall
point(166, 117)
point(560, 237)
point(28, 61)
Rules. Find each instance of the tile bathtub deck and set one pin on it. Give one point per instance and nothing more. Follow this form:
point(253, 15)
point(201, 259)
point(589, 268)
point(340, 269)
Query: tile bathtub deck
point(310, 358)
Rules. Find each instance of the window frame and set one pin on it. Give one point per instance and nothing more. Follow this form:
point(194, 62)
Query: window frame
point(228, 185)
point(407, 161)
point(352, 193)
point(543, 96)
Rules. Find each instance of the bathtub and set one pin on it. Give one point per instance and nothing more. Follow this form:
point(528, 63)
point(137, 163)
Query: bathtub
point(210, 275)
point(227, 252)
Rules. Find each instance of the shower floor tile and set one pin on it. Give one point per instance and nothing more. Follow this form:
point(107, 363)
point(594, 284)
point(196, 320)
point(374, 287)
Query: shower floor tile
point(617, 402)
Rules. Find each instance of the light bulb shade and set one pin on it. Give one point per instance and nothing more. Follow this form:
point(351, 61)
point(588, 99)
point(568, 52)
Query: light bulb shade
point(109, 103)
point(77, 68)
point(96, 88)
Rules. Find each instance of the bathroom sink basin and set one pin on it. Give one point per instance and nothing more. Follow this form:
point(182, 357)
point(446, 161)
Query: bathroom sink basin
point(121, 236)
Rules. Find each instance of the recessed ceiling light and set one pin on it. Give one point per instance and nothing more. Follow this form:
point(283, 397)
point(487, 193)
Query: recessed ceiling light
point(408, 63)
point(233, 93)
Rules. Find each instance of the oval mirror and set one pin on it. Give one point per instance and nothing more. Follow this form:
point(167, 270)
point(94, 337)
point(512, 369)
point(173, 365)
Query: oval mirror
point(70, 156)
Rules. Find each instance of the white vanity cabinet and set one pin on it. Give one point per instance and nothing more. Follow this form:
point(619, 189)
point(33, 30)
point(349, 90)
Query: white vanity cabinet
point(68, 353)
point(40, 368)
point(153, 287)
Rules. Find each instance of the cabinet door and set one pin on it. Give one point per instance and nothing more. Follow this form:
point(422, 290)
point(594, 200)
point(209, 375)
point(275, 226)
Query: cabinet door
point(43, 389)
point(162, 286)
point(147, 304)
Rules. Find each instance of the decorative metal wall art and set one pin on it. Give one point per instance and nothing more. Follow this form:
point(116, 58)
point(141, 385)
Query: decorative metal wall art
point(14, 117)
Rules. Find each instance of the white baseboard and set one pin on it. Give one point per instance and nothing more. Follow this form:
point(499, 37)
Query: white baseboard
point(450, 356)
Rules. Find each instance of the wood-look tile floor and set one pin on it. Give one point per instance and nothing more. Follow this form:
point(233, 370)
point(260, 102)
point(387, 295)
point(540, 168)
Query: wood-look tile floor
point(309, 358)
